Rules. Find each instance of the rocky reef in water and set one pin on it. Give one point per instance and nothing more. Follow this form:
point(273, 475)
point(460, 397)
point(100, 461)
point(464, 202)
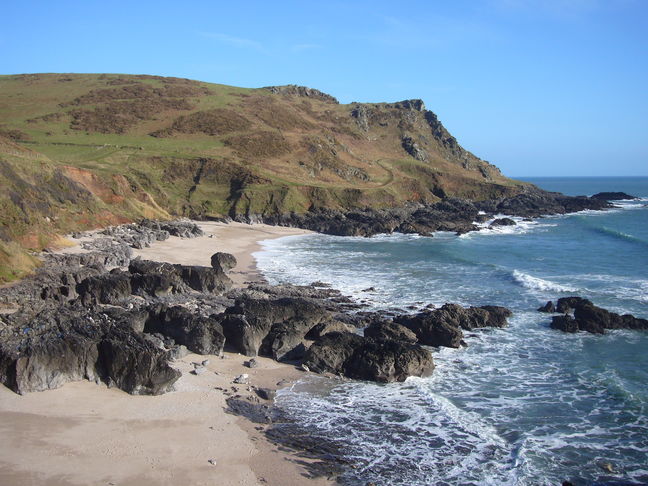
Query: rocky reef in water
point(580, 314)
point(77, 319)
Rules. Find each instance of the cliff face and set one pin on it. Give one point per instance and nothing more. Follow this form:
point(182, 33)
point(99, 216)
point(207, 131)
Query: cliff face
point(78, 151)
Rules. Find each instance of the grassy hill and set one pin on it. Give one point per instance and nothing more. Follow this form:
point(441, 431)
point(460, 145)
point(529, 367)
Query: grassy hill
point(84, 150)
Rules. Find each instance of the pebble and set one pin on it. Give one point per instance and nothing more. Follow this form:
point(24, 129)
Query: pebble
point(205, 362)
point(199, 370)
point(212, 462)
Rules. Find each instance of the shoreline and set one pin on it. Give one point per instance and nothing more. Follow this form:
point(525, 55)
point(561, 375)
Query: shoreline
point(76, 434)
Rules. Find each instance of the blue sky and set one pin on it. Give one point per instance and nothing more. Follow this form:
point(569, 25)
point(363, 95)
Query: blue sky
point(553, 87)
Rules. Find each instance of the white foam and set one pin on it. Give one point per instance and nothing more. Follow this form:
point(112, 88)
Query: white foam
point(535, 283)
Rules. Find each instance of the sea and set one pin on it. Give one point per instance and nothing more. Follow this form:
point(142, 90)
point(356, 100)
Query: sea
point(524, 405)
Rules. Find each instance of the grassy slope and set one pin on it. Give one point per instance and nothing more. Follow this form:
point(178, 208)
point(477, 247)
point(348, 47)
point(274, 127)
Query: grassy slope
point(80, 151)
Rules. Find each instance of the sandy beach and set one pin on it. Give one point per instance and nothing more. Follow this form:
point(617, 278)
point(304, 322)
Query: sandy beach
point(88, 434)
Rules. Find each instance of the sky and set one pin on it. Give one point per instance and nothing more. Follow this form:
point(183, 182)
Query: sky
point(537, 87)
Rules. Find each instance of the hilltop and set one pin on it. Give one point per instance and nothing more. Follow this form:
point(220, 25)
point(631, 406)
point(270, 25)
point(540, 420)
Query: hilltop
point(79, 151)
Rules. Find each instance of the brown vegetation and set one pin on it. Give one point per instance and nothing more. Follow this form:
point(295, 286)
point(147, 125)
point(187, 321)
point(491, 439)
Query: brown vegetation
point(214, 122)
point(259, 144)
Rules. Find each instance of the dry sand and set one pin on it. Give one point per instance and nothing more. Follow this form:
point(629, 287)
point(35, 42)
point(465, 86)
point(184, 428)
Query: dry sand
point(239, 239)
point(87, 434)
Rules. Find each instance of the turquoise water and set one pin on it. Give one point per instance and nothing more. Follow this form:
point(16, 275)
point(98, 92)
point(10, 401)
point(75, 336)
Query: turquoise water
point(525, 405)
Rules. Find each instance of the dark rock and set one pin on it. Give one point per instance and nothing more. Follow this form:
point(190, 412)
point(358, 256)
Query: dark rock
point(223, 261)
point(502, 222)
point(110, 288)
point(326, 327)
point(568, 304)
point(431, 330)
point(548, 308)
point(253, 363)
point(179, 277)
point(564, 323)
point(367, 359)
point(387, 330)
point(202, 335)
point(50, 347)
point(272, 327)
point(266, 393)
point(591, 318)
point(613, 196)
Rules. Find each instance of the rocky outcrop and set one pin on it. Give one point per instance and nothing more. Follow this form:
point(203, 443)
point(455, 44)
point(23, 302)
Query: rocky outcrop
point(272, 327)
point(589, 317)
point(146, 232)
point(200, 334)
point(46, 349)
point(181, 277)
point(302, 91)
point(443, 326)
point(613, 196)
point(502, 222)
point(367, 358)
point(388, 330)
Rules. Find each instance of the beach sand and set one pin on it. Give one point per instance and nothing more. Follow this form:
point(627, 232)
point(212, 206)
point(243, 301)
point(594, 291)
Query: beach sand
point(88, 434)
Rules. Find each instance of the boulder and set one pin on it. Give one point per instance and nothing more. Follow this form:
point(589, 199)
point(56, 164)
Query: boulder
point(388, 330)
point(565, 323)
point(591, 318)
point(568, 304)
point(223, 261)
point(431, 330)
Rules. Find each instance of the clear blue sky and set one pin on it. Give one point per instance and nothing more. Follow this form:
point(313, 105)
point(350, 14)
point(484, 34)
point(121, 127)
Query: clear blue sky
point(538, 87)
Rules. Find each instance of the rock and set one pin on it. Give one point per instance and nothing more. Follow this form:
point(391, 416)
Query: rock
point(242, 379)
point(212, 461)
point(205, 362)
point(272, 327)
point(72, 343)
point(201, 335)
point(565, 323)
point(178, 351)
point(591, 318)
point(548, 308)
point(326, 327)
point(390, 330)
point(110, 288)
point(253, 363)
point(613, 196)
point(568, 304)
point(367, 359)
point(502, 222)
point(266, 393)
point(430, 330)
point(198, 370)
point(223, 261)
point(443, 326)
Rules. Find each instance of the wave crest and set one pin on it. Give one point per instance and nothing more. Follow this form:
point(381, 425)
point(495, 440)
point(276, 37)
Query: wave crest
point(535, 283)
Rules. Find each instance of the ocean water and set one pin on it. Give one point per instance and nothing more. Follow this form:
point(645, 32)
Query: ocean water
point(525, 405)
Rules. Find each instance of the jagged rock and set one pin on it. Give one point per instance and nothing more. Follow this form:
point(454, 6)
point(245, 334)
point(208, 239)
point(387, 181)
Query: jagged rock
point(413, 148)
point(223, 261)
point(613, 196)
point(67, 343)
point(591, 318)
point(253, 363)
point(568, 304)
point(302, 91)
point(110, 288)
point(549, 308)
point(178, 351)
point(201, 335)
point(243, 379)
point(390, 330)
point(201, 279)
point(273, 327)
point(432, 331)
point(367, 359)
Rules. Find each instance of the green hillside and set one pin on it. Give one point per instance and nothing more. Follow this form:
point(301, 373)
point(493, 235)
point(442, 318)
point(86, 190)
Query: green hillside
point(84, 150)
